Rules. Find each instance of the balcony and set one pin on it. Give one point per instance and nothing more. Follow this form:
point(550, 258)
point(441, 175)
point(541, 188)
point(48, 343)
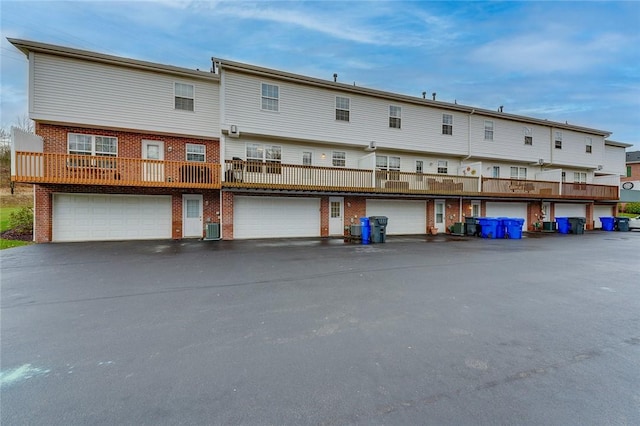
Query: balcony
point(242, 174)
point(37, 167)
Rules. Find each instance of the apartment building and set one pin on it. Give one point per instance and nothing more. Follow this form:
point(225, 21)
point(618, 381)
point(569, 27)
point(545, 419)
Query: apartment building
point(127, 149)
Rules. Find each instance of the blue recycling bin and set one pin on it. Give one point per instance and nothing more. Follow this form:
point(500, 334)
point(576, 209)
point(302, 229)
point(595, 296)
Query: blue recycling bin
point(489, 226)
point(501, 227)
point(514, 227)
point(366, 229)
point(563, 225)
point(608, 223)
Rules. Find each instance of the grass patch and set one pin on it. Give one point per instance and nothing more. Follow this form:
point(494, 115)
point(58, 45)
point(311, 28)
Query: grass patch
point(12, 203)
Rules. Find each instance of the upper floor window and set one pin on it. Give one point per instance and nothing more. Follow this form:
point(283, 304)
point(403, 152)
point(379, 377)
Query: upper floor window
point(528, 136)
point(419, 166)
point(196, 153)
point(184, 96)
point(447, 124)
point(588, 145)
point(342, 108)
point(488, 130)
point(395, 116)
point(391, 164)
point(558, 140)
point(580, 177)
point(564, 176)
point(518, 172)
point(269, 154)
point(81, 144)
point(307, 158)
point(495, 172)
point(443, 166)
point(339, 159)
point(270, 97)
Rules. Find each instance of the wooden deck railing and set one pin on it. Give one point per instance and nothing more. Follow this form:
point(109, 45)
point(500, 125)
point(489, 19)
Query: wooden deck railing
point(36, 167)
point(590, 191)
point(520, 188)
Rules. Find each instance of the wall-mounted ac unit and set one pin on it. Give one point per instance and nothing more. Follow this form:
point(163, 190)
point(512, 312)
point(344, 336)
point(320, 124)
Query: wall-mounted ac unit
point(541, 161)
point(371, 146)
point(233, 131)
point(599, 166)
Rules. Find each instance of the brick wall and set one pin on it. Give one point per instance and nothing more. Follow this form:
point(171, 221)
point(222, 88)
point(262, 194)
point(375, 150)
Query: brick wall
point(129, 143)
point(43, 231)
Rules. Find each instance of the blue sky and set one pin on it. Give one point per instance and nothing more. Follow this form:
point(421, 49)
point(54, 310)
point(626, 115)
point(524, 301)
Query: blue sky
point(563, 61)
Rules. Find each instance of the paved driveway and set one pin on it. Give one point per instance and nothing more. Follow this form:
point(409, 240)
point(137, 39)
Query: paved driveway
point(414, 331)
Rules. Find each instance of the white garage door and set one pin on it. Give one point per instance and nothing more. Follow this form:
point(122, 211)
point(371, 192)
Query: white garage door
point(97, 217)
point(508, 210)
point(275, 217)
point(570, 210)
point(405, 217)
point(601, 211)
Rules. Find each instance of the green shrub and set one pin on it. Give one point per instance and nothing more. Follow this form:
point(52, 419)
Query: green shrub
point(632, 208)
point(21, 221)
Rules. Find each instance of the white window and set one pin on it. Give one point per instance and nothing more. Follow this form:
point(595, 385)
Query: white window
point(196, 153)
point(488, 130)
point(419, 169)
point(382, 162)
point(443, 166)
point(475, 208)
point(580, 177)
point(588, 145)
point(495, 172)
point(528, 136)
point(270, 97)
point(335, 209)
point(184, 98)
point(342, 108)
point(447, 124)
point(258, 154)
point(518, 172)
point(339, 159)
point(395, 116)
point(558, 140)
point(307, 158)
point(80, 144)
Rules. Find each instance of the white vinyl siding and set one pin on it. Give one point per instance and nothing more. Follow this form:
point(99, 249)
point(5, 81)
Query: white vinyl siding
point(101, 95)
point(99, 217)
point(275, 217)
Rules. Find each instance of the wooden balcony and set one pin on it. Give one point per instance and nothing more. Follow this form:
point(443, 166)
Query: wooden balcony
point(242, 174)
point(588, 191)
point(37, 167)
point(520, 188)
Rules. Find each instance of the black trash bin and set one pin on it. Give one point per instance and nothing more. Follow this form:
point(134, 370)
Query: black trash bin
point(470, 225)
point(576, 224)
point(378, 228)
point(622, 224)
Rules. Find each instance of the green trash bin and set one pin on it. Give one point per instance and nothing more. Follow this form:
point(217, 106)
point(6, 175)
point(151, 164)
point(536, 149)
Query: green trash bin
point(458, 228)
point(577, 224)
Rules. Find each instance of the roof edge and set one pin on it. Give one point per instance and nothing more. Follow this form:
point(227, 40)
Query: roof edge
point(26, 46)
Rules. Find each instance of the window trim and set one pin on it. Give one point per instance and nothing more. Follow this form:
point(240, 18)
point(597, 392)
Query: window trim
point(447, 127)
point(310, 158)
point(588, 145)
point(94, 151)
point(263, 164)
point(557, 139)
point(488, 130)
point(176, 97)
point(495, 172)
point(519, 173)
point(442, 167)
point(335, 158)
point(528, 136)
point(343, 110)
point(580, 176)
point(395, 118)
point(264, 97)
point(203, 153)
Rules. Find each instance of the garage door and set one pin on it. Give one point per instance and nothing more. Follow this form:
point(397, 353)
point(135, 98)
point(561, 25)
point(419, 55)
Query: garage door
point(275, 217)
point(405, 217)
point(601, 211)
point(508, 210)
point(570, 210)
point(97, 217)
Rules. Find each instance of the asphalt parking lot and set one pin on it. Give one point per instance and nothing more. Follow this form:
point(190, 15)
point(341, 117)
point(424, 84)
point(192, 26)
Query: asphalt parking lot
point(438, 330)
